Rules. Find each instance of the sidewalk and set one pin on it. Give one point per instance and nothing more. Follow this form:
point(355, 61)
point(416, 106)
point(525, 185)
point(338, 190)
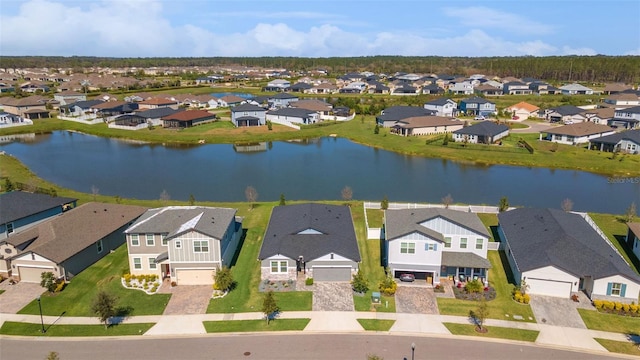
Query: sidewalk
point(345, 322)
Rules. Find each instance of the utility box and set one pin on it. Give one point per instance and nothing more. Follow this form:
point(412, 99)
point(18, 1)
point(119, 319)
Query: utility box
point(375, 297)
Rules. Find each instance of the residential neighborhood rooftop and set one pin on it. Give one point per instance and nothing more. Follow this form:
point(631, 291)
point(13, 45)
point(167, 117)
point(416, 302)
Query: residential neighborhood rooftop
point(18, 204)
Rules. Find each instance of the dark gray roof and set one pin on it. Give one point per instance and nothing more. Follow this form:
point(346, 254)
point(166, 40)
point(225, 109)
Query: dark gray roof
point(177, 220)
point(333, 222)
point(16, 205)
point(464, 259)
point(84, 104)
point(552, 237)
point(440, 101)
point(484, 128)
point(157, 113)
point(247, 107)
point(295, 112)
point(631, 110)
point(631, 135)
point(567, 110)
point(284, 96)
point(476, 100)
point(396, 113)
point(300, 86)
point(405, 221)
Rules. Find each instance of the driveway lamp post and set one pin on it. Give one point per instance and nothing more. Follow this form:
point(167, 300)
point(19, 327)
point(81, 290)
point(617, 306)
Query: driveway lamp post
point(41, 321)
point(413, 350)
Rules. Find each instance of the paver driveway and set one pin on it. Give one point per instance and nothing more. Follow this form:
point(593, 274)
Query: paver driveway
point(332, 296)
point(188, 299)
point(556, 311)
point(416, 300)
point(18, 296)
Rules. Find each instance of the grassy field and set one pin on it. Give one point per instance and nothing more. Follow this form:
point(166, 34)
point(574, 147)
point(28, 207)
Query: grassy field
point(615, 228)
point(610, 322)
point(28, 329)
point(376, 325)
point(494, 332)
point(255, 325)
point(77, 296)
point(621, 347)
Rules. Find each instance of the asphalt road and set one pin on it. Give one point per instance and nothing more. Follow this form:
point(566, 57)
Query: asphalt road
point(282, 347)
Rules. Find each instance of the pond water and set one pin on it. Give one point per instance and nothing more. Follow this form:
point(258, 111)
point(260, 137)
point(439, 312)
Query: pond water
point(305, 170)
point(242, 95)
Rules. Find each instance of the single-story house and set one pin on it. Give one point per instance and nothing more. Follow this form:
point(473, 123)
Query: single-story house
point(435, 243)
point(488, 90)
point(579, 133)
point(154, 103)
point(623, 100)
point(626, 141)
point(189, 118)
point(69, 97)
point(633, 238)
point(426, 125)
point(185, 243)
point(557, 253)
point(230, 101)
point(484, 132)
point(293, 115)
point(151, 117)
point(432, 89)
point(389, 116)
point(310, 240)
point(442, 106)
point(600, 115)
point(67, 244)
point(516, 88)
point(567, 114)
point(281, 100)
point(7, 119)
point(248, 115)
point(79, 108)
point(31, 107)
point(523, 110)
point(114, 108)
point(277, 85)
point(300, 87)
point(575, 89)
point(321, 107)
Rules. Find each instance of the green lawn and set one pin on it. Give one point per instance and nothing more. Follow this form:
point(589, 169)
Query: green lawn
point(375, 217)
point(77, 296)
point(621, 347)
point(255, 325)
point(28, 329)
point(502, 305)
point(595, 320)
point(616, 230)
point(376, 325)
point(494, 332)
point(363, 303)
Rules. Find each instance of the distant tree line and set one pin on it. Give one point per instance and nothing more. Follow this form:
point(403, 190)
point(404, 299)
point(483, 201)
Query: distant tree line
point(597, 69)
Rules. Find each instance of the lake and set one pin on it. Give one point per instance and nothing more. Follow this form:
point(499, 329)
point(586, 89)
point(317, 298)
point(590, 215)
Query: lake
point(317, 169)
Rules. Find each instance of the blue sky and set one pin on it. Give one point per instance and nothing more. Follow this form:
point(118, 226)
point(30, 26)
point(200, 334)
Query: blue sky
point(314, 28)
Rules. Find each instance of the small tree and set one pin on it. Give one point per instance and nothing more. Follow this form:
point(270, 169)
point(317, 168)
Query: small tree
point(447, 200)
point(48, 281)
point(164, 196)
point(445, 141)
point(283, 201)
point(269, 125)
point(269, 306)
point(8, 185)
point(388, 286)
point(251, 194)
point(480, 314)
point(504, 204)
point(567, 205)
point(104, 306)
point(376, 130)
point(192, 199)
point(630, 214)
point(347, 193)
point(94, 191)
point(384, 204)
point(359, 283)
point(223, 279)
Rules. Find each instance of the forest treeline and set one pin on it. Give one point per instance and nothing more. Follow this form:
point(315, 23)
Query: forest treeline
point(596, 69)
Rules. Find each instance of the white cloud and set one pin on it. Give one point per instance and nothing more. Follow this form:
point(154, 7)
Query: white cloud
point(633, 52)
point(567, 50)
point(483, 17)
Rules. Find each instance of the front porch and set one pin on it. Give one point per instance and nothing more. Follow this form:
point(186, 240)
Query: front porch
point(463, 267)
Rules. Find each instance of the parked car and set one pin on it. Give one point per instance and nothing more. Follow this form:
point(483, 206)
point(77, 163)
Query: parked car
point(407, 277)
point(480, 117)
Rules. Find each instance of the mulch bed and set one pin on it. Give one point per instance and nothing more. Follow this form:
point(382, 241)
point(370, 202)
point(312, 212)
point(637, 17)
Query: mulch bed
point(489, 293)
point(277, 285)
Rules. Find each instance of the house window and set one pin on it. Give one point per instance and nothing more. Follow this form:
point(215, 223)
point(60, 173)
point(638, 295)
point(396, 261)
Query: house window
point(152, 264)
point(151, 241)
point(430, 247)
point(447, 242)
point(407, 248)
point(99, 246)
point(178, 244)
point(278, 266)
point(165, 242)
point(616, 289)
point(9, 228)
point(200, 246)
point(463, 243)
point(137, 263)
point(479, 244)
point(135, 240)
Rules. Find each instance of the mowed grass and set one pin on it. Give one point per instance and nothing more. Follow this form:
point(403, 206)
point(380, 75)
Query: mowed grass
point(620, 347)
point(376, 325)
point(28, 329)
point(255, 325)
point(494, 332)
point(595, 320)
point(78, 295)
point(502, 305)
point(615, 228)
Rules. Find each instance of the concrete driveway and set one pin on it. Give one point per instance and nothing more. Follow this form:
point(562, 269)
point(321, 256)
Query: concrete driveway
point(556, 311)
point(332, 296)
point(416, 300)
point(188, 299)
point(534, 127)
point(18, 296)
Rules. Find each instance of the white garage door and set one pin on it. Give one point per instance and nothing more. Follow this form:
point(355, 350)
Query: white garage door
point(194, 277)
point(549, 288)
point(31, 274)
point(331, 273)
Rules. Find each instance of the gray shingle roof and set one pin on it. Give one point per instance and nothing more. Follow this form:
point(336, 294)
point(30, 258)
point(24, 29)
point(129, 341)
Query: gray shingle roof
point(396, 113)
point(567, 110)
point(295, 112)
point(176, 220)
point(544, 237)
point(464, 259)
point(405, 221)
point(484, 128)
point(16, 205)
point(440, 101)
point(334, 222)
point(157, 112)
point(283, 96)
point(247, 107)
point(476, 100)
point(632, 135)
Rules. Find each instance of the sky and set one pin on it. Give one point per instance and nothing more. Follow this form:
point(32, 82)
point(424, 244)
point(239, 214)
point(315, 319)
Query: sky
point(318, 28)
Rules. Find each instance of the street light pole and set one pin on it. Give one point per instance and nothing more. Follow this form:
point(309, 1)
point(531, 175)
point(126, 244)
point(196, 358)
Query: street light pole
point(41, 320)
point(413, 350)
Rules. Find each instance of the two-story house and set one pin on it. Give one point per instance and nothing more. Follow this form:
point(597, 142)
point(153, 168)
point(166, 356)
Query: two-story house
point(435, 243)
point(442, 106)
point(184, 243)
point(477, 106)
point(248, 115)
point(628, 118)
point(633, 238)
point(281, 100)
point(516, 88)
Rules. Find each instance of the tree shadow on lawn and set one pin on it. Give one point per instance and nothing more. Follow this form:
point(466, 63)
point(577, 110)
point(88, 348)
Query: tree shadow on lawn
point(122, 313)
point(240, 243)
point(622, 240)
point(507, 267)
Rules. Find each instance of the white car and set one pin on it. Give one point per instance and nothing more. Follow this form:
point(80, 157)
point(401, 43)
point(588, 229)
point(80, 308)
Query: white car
point(480, 117)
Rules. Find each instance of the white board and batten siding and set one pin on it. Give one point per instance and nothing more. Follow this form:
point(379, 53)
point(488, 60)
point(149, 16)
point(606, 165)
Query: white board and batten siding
point(145, 264)
point(421, 255)
point(456, 233)
point(601, 287)
point(550, 281)
point(184, 253)
point(332, 267)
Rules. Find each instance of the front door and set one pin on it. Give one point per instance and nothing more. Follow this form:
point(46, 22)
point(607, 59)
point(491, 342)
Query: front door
point(166, 271)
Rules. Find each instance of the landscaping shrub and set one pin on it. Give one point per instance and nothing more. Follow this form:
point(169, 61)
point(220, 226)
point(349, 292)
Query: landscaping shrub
point(388, 286)
point(360, 283)
point(308, 281)
point(615, 307)
point(474, 286)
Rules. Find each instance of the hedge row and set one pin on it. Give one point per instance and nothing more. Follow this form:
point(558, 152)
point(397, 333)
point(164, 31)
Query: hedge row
point(614, 306)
